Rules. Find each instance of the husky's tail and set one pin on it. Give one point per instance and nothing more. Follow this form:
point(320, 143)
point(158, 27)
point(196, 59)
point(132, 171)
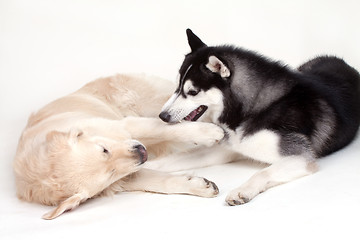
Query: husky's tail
point(340, 84)
point(333, 67)
point(334, 73)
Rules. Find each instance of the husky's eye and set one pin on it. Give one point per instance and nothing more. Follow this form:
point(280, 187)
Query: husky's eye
point(193, 92)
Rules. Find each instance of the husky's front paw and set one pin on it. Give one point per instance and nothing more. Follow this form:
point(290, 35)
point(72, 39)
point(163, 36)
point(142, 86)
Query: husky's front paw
point(208, 134)
point(201, 187)
point(239, 196)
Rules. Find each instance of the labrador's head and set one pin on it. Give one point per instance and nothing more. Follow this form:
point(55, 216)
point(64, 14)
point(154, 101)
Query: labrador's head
point(78, 166)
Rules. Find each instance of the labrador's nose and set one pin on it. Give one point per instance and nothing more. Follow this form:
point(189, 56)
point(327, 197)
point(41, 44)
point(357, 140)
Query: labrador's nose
point(141, 150)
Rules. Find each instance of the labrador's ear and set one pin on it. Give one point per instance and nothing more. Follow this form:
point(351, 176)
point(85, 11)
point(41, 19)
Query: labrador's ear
point(56, 141)
point(55, 135)
point(194, 41)
point(68, 204)
point(56, 138)
point(217, 66)
point(74, 135)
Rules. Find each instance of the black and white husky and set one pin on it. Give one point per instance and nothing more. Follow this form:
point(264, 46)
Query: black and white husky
point(271, 113)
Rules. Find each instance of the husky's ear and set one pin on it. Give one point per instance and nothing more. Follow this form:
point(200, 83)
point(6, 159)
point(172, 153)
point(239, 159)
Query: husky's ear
point(217, 66)
point(69, 204)
point(193, 40)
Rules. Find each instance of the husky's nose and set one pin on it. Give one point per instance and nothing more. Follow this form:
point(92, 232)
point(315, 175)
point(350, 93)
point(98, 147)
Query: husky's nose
point(165, 116)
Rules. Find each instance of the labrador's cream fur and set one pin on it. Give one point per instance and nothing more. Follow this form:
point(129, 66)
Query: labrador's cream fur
point(92, 143)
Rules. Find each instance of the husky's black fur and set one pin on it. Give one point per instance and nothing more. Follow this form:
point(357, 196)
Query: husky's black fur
point(314, 108)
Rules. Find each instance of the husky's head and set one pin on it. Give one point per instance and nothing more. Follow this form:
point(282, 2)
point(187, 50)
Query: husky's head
point(202, 81)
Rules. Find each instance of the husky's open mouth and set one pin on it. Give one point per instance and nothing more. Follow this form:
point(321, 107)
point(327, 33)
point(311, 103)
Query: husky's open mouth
point(194, 115)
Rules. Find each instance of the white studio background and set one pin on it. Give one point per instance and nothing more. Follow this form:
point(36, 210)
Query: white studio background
point(51, 48)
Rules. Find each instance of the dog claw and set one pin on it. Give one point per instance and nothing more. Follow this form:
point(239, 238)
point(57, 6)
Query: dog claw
point(237, 202)
point(237, 198)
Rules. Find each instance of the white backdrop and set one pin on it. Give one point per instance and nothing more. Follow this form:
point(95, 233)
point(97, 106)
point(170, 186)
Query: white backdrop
point(51, 48)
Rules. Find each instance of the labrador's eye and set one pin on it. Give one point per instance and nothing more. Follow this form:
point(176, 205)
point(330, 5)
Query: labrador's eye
point(193, 92)
point(105, 150)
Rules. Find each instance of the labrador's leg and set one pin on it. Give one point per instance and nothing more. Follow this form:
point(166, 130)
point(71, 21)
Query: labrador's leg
point(159, 182)
point(197, 158)
point(153, 131)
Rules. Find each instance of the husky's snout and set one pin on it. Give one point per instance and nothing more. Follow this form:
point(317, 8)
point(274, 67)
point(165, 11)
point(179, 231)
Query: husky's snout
point(178, 109)
point(165, 116)
point(167, 111)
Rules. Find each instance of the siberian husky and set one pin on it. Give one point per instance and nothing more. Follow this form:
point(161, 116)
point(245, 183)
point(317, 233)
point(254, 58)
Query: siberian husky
point(284, 117)
point(96, 140)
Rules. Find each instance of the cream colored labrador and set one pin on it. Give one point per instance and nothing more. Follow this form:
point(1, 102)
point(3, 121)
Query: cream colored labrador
point(94, 141)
